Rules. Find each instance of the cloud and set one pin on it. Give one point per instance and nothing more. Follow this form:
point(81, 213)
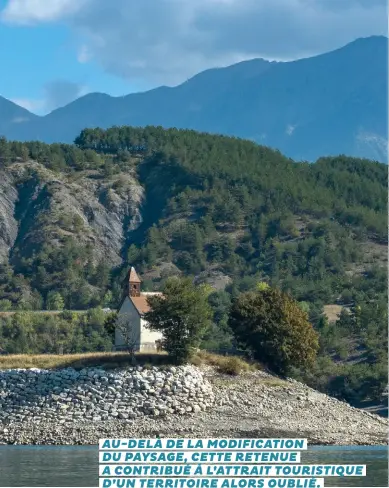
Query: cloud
point(61, 92)
point(56, 94)
point(19, 120)
point(167, 41)
point(27, 12)
point(29, 104)
point(290, 129)
point(83, 55)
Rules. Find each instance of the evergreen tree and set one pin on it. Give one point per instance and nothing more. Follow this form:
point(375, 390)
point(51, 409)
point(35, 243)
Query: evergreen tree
point(182, 314)
point(54, 301)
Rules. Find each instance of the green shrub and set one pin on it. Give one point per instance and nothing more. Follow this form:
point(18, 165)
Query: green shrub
point(182, 314)
point(232, 365)
point(272, 326)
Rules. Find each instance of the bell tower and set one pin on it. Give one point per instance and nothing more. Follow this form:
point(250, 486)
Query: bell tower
point(133, 283)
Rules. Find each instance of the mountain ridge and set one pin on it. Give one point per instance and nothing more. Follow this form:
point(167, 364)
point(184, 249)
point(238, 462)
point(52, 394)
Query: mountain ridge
point(328, 104)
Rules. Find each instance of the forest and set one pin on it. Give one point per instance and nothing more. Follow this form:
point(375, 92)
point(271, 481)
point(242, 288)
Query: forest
point(214, 206)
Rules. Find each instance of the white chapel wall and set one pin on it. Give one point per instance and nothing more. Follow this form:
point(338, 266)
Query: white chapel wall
point(149, 337)
point(130, 314)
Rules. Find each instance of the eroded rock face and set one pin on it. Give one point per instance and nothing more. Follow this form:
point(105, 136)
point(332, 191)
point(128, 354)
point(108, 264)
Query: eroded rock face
point(8, 223)
point(217, 279)
point(93, 395)
point(39, 206)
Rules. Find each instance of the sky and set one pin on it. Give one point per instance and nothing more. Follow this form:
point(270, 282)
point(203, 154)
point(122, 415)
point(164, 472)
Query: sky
point(54, 51)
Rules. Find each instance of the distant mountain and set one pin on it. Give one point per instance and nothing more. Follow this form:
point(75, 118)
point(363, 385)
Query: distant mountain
point(11, 115)
point(324, 105)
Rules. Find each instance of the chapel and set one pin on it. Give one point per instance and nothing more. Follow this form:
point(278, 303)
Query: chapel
point(131, 315)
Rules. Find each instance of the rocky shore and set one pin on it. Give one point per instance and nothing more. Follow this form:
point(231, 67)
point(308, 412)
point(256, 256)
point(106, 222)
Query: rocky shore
point(181, 402)
point(94, 395)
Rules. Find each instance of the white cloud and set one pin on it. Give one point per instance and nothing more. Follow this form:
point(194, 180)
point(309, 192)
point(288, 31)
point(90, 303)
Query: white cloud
point(19, 120)
point(34, 106)
point(56, 94)
point(36, 11)
point(290, 129)
point(83, 55)
point(167, 41)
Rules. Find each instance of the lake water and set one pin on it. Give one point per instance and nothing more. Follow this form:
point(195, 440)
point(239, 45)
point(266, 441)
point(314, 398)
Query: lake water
point(78, 466)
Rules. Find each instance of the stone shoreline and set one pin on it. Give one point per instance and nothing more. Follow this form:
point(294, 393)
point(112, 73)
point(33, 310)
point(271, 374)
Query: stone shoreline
point(250, 405)
point(96, 395)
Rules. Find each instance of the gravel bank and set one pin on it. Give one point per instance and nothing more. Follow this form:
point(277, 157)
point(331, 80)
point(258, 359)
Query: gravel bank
point(251, 405)
point(93, 395)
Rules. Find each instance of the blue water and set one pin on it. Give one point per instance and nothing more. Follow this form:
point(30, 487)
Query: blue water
point(78, 466)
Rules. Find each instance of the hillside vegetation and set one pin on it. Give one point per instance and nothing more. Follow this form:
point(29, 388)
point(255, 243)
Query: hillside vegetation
point(223, 210)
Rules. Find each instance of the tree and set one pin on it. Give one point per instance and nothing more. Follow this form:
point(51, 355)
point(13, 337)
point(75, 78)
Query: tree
point(304, 306)
point(272, 326)
point(108, 299)
point(110, 323)
point(346, 320)
point(182, 314)
point(133, 254)
point(5, 305)
point(54, 301)
point(262, 286)
point(183, 202)
point(4, 148)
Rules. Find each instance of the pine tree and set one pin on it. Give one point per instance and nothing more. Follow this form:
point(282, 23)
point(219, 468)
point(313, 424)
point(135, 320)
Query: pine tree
point(182, 314)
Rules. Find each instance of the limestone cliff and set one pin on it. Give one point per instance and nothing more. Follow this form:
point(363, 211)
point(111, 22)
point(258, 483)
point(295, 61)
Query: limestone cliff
point(8, 222)
point(38, 206)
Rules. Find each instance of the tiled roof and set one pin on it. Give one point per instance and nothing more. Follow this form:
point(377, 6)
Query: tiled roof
point(140, 303)
point(132, 276)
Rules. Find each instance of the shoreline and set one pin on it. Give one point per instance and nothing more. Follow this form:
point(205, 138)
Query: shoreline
point(87, 435)
point(251, 405)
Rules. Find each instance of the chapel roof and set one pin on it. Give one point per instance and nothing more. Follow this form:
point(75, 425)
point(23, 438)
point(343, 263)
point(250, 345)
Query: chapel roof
point(140, 303)
point(133, 276)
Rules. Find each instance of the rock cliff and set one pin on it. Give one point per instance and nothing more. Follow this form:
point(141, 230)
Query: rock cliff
point(8, 222)
point(38, 205)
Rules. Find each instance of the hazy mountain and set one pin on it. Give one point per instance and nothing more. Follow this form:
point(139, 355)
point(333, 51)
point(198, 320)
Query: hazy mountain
point(12, 116)
point(324, 105)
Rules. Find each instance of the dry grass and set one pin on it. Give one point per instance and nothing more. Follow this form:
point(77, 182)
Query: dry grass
point(231, 365)
point(273, 382)
point(79, 361)
point(332, 312)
